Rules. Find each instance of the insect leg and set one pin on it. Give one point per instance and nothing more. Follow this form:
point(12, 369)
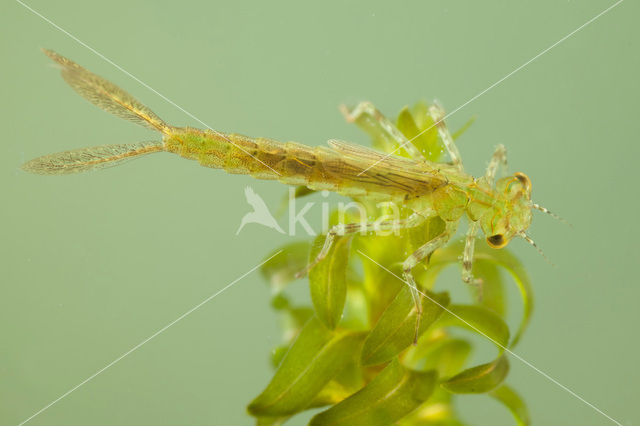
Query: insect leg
point(437, 115)
point(417, 257)
point(352, 228)
point(379, 125)
point(499, 158)
point(467, 258)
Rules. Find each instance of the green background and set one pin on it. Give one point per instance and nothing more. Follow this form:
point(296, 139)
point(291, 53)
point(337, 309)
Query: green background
point(93, 264)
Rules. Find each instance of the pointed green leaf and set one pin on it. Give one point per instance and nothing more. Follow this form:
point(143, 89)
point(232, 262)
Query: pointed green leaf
point(328, 281)
point(395, 330)
point(424, 138)
point(314, 359)
point(464, 128)
point(391, 395)
point(433, 148)
point(514, 403)
point(420, 113)
point(479, 320)
point(409, 129)
point(479, 379)
point(406, 124)
point(281, 269)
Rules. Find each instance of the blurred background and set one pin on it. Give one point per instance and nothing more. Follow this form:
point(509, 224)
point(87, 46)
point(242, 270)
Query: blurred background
point(93, 264)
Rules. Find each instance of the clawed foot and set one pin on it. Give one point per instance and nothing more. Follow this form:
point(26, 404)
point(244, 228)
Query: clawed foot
point(344, 110)
point(303, 272)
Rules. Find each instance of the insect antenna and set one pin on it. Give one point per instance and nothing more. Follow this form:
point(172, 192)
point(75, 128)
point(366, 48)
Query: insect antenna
point(530, 241)
point(550, 213)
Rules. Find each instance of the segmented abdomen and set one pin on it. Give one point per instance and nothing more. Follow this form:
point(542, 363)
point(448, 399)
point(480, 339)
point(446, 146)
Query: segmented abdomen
point(319, 168)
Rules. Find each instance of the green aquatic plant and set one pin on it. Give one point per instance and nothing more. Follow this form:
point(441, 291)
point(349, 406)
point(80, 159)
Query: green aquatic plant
point(352, 351)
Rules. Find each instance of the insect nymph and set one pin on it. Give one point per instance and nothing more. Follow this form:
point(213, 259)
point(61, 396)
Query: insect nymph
point(500, 208)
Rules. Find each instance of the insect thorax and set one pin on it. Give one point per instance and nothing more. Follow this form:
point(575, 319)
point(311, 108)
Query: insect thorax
point(502, 212)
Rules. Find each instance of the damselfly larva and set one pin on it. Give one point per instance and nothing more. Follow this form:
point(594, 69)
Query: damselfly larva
point(501, 209)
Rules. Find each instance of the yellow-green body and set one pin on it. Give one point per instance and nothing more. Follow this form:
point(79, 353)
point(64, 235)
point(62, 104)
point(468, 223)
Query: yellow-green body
point(318, 168)
point(502, 208)
point(417, 184)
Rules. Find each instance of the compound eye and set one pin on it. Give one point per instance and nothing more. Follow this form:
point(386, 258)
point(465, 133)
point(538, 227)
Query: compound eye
point(497, 241)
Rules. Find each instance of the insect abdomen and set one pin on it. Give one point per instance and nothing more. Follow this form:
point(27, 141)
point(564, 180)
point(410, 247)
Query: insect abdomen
point(319, 168)
point(261, 158)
